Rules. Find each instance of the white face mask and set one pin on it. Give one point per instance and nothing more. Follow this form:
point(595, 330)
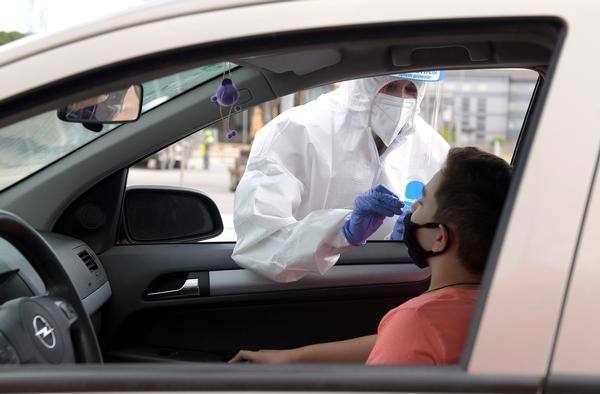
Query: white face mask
point(389, 114)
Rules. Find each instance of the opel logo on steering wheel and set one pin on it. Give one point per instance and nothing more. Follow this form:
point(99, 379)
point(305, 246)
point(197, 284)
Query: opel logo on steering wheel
point(44, 332)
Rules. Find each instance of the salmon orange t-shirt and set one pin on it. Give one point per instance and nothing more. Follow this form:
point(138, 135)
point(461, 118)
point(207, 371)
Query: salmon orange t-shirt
point(428, 329)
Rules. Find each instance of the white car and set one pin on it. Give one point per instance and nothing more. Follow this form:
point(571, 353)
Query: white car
point(166, 312)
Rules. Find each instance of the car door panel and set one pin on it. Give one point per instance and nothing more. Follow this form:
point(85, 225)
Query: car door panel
point(245, 282)
point(241, 309)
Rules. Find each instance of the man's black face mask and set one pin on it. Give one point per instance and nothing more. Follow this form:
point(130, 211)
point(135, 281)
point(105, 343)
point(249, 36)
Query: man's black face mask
point(415, 250)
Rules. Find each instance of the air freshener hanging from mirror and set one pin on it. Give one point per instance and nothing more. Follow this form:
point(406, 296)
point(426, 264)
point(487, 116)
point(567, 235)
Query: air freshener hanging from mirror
point(226, 97)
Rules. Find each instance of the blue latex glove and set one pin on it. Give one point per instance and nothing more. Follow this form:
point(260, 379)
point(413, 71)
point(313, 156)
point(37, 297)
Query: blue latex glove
point(368, 214)
point(398, 231)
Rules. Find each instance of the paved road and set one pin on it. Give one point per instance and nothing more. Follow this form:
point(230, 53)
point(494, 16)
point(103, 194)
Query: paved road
point(214, 183)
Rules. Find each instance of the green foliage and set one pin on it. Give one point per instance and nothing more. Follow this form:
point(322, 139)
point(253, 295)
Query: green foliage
point(449, 135)
point(8, 36)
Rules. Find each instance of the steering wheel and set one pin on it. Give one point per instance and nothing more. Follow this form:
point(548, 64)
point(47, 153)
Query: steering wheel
point(52, 328)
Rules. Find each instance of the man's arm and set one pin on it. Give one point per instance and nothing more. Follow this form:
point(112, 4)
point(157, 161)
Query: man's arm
point(354, 350)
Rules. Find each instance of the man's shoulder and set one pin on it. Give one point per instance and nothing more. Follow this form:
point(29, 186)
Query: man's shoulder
point(410, 308)
point(428, 301)
point(414, 304)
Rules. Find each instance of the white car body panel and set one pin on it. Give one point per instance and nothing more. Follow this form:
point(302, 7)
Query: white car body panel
point(578, 347)
point(47, 63)
point(155, 11)
point(522, 310)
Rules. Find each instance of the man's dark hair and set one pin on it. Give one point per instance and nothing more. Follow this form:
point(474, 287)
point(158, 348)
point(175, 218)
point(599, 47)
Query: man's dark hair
point(470, 197)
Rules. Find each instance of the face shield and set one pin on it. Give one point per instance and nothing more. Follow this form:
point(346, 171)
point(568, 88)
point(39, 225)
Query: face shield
point(398, 101)
point(429, 108)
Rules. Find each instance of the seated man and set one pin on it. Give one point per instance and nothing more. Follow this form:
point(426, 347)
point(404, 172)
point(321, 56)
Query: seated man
point(451, 229)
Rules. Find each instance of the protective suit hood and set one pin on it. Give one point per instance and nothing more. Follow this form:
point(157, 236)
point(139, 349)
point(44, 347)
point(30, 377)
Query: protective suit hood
point(356, 98)
point(358, 94)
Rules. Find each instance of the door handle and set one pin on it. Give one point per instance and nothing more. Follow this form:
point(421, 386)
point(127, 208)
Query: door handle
point(189, 288)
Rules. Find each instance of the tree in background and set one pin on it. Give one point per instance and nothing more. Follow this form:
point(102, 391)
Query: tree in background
point(8, 36)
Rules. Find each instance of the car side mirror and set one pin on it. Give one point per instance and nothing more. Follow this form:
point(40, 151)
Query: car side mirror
point(119, 106)
point(163, 214)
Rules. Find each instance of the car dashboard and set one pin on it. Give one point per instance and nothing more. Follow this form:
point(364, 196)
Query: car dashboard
point(19, 279)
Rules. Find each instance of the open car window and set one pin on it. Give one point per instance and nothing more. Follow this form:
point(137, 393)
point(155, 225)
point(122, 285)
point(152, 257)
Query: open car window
point(483, 108)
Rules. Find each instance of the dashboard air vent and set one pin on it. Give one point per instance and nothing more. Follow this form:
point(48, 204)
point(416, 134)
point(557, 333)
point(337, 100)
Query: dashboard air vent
point(88, 260)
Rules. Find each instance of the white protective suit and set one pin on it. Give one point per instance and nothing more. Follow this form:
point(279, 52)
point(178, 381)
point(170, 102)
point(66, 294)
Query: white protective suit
point(308, 165)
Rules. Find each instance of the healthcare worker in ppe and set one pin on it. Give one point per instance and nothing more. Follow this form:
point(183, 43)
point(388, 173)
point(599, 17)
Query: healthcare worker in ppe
point(296, 207)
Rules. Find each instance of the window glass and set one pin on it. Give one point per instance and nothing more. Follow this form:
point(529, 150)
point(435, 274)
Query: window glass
point(34, 143)
point(483, 108)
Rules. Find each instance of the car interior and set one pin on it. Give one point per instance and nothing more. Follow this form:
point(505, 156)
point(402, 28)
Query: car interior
point(168, 298)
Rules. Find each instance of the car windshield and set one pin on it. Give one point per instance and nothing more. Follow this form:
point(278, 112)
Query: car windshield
point(34, 143)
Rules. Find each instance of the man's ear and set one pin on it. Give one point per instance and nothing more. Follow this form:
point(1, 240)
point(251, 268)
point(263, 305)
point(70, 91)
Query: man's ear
point(442, 239)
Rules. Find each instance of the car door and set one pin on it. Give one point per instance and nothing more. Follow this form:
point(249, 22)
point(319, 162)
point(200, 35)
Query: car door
point(525, 342)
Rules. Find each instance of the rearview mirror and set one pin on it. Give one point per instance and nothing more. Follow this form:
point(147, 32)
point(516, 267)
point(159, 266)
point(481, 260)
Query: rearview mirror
point(120, 106)
point(160, 214)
